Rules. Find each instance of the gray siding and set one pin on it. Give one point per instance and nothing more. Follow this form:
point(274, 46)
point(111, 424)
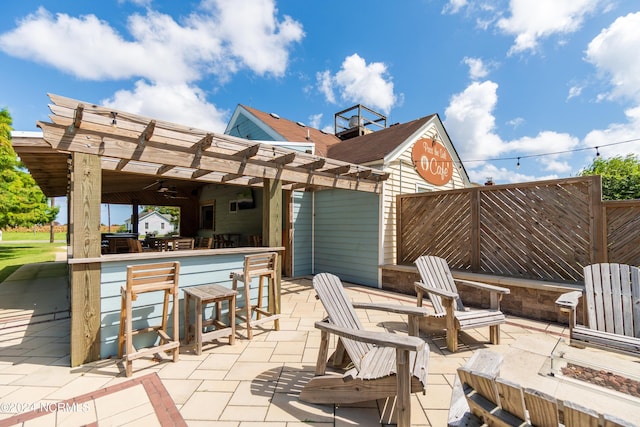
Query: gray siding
point(302, 233)
point(347, 235)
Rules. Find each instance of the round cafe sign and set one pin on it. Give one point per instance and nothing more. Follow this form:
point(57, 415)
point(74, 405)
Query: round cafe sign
point(432, 161)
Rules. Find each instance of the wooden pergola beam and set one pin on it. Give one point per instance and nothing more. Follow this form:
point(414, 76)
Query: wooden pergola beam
point(127, 148)
point(361, 174)
point(285, 159)
point(248, 152)
point(145, 136)
point(318, 164)
point(147, 133)
point(220, 158)
point(340, 170)
point(164, 169)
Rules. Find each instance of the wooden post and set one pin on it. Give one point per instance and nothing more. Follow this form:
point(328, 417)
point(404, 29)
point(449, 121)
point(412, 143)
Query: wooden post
point(474, 200)
point(597, 224)
point(403, 384)
point(272, 225)
point(85, 190)
point(51, 231)
point(287, 235)
point(135, 217)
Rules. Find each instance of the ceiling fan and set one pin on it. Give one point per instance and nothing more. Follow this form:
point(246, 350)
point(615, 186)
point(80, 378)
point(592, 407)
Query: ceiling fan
point(168, 192)
point(161, 187)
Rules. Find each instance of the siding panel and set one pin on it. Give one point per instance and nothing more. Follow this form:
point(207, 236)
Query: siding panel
point(147, 308)
point(347, 235)
point(302, 233)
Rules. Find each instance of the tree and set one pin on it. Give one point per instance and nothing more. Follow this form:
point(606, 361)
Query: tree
point(22, 202)
point(620, 176)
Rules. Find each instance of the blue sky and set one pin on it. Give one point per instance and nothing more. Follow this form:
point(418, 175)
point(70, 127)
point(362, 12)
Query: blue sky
point(510, 79)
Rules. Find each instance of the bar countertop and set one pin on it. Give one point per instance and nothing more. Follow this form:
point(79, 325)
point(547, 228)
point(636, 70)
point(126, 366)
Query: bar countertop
point(155, 255)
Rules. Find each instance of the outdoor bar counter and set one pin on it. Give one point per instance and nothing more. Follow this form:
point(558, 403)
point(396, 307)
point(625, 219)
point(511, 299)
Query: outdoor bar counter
point(197, 267)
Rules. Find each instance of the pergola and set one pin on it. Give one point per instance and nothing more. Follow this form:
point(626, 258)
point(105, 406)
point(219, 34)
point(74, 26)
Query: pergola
point(94, 154)
point(133, 152)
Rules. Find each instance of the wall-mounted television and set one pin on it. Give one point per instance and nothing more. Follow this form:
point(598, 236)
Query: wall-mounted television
point(244, 199)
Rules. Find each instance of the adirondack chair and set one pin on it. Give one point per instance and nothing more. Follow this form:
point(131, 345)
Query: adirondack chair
point(438, 282)
point(611, 310)
point(480, 398)
point(384, 364)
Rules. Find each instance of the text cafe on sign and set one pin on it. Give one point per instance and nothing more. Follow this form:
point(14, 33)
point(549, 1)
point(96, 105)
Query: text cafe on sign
point(432, 160)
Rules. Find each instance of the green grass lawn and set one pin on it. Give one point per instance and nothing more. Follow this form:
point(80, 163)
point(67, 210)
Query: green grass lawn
point(14, 255)
point(29, 235)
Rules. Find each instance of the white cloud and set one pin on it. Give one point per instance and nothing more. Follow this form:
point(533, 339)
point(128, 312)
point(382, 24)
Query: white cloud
point(359, 82)
point(470, 122)
point(315, 120)
point(552, 165)
point(224, 37)
point(515, 123)
point(503, 175)
point(85, 47)
point(454, 6)
point(168, 57)
point(611, 53)
point(531, 21)
point(617, 134)
point(574, 91)
point(545, 142)
point(179, 103)
point(253, 33)
point(325, 85)
point(477, 68)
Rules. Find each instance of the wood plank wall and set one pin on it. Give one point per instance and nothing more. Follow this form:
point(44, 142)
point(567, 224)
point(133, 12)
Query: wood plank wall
point(545, 230)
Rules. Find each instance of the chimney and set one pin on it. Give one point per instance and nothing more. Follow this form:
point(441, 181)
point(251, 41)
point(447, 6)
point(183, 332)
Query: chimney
point(357, 121)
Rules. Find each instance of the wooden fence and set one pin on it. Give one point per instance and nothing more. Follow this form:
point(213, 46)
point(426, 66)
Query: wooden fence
point(545, 230)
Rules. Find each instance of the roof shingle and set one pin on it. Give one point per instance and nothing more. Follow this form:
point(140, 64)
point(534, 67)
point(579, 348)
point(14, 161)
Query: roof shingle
point(376, 145)
point(294, 132)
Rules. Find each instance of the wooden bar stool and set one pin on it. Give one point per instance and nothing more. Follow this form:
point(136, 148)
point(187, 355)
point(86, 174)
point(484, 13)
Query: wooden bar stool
point(262, 266)
point(141, 279)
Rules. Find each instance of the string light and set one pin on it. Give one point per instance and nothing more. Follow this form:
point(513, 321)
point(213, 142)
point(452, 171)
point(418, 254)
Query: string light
point(518, 164)
point(555, 152)
point(518, 158)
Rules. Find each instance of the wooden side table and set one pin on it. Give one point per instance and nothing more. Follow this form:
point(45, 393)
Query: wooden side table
point(203, 295)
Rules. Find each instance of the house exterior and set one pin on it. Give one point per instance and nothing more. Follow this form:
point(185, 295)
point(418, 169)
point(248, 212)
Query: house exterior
point(348, 233)
point(152, 223)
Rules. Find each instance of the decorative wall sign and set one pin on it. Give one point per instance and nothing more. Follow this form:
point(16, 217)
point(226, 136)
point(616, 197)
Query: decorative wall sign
point(432, 161)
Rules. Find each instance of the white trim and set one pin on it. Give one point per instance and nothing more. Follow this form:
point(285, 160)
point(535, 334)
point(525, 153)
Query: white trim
point(26, 134)
point(313, 232)
point(400, 149)
point(381, 235)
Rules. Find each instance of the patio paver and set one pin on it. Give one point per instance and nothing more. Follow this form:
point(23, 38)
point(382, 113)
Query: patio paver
point(252, 383)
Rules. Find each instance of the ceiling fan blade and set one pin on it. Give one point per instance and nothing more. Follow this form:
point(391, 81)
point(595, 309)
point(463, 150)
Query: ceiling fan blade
point(153, 185)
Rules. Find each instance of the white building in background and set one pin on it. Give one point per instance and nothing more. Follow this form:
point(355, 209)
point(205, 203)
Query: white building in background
point(152, 223)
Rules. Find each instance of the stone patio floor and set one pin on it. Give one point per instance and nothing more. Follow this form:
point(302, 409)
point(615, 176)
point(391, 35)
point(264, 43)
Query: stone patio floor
point(252, 383)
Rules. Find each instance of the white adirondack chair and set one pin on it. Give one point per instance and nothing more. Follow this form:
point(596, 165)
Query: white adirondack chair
point(438, 282)
point(384, 364)
point(611, 310)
